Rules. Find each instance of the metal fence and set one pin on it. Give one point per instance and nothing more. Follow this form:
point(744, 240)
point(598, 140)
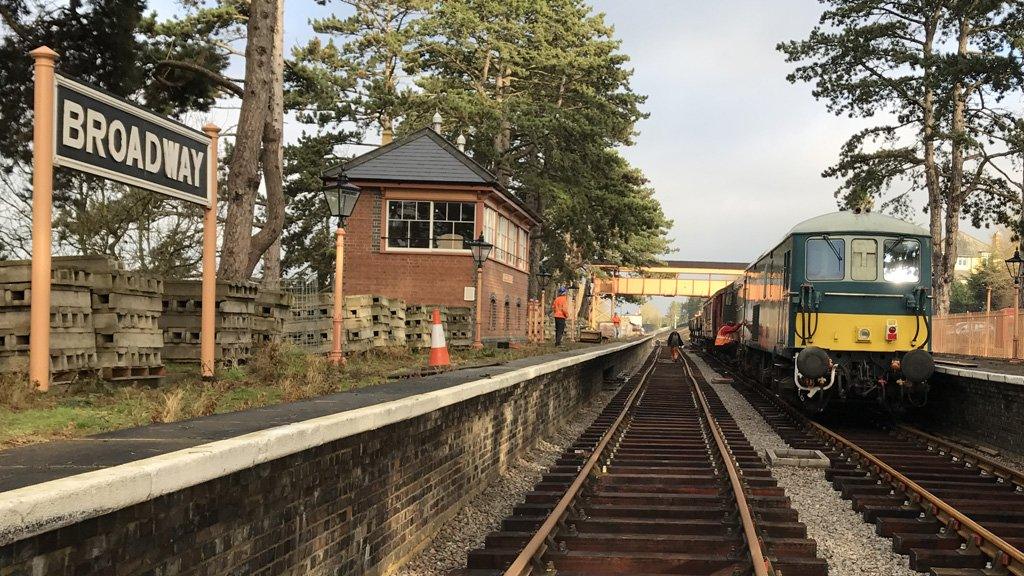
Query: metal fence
point(986, 334)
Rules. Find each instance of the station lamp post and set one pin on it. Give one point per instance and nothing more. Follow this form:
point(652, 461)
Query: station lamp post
point(571, 323)
point(341, 196)
point(1013, 266)
point(543, 277)
point(480, 249)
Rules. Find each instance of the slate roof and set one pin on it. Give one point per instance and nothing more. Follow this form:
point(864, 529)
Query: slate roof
point(968, 246)
point(423, 156)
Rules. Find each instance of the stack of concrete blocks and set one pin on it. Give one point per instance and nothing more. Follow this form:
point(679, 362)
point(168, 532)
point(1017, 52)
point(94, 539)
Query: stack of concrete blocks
point(308, 323)
point(126, 307)
point(459, 326)
point(397, 311)
point(273, 308)
point(72, 336)
point(373, 322)
point(418, 318)
point(182, 321)
point(457, 322)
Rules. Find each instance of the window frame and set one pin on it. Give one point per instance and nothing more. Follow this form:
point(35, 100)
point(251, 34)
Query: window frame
point(431, 240)
point(506, 235)
point(807, 259)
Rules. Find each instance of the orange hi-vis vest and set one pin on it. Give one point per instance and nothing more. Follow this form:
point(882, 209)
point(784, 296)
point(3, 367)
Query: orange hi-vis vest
point(560, 307)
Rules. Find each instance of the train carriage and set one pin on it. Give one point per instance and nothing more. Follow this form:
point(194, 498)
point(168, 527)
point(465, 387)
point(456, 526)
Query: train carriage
point(840, 309)
point(724, 306)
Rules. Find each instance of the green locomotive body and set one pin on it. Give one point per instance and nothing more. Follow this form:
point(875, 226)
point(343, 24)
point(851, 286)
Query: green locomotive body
point(839, 309)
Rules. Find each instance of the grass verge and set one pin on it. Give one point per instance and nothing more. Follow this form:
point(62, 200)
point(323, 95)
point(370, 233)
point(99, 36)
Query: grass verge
point(276, 374)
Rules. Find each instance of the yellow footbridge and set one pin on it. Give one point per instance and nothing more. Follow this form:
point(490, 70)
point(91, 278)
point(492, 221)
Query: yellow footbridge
point(673, 278)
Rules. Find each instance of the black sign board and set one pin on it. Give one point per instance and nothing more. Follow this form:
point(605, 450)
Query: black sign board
point(109, 137)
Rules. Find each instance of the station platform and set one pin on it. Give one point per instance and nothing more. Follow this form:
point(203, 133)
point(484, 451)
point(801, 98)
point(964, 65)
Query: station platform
point(38, 463)
point(985, 369)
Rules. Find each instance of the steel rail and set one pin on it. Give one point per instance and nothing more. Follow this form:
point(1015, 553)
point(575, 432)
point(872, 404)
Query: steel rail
point(1001, 552)
point(762, 565)
point(972, 457)
point(531, 555)
point(993, 546)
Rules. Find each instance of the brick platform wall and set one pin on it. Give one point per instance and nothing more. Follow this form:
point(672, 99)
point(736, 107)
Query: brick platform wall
point(359, 505)
point(989, 412)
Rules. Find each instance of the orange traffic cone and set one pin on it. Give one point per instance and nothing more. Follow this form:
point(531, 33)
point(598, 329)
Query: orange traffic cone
point(438, 346)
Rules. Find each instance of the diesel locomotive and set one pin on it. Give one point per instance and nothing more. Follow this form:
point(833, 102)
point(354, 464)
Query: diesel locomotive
point(839, 310)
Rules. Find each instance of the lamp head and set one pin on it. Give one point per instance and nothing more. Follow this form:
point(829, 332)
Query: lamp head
point(480, 249)
point(543, 277)
point(341, 196)
point(1013, 266)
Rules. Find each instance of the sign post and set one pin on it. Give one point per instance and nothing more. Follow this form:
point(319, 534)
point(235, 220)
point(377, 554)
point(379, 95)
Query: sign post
point(84, 128)
point(42, 214)
point(207, 333)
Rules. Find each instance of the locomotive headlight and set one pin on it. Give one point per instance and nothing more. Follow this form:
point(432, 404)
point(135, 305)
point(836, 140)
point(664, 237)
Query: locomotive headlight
point(863, 334)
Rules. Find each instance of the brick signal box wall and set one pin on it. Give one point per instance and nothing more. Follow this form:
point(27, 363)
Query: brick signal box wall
point(430, 278)
point(355, 506)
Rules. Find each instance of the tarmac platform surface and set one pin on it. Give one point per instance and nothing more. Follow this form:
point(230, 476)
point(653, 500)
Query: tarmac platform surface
point(990, 369)
point(34, 464)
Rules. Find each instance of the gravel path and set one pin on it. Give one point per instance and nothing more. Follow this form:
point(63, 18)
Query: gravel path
point(484, 513)
point(845, 541)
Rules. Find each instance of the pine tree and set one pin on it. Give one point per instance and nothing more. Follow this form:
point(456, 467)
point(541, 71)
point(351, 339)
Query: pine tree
point(342, 88)
point(542, 93)
point(933, 70)
point(103, 42)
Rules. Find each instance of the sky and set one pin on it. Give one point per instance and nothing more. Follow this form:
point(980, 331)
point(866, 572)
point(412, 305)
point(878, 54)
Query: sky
point(733, 150)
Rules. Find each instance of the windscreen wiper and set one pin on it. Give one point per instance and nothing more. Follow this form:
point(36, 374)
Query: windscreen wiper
point(892, 247)
point(833, 247)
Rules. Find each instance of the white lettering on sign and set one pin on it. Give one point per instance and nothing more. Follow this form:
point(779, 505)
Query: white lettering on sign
point(171, 150)
point(153, 157)
point(74, 118)
point(506, 278)
point(95, 128)
point(134, 148)
point(118, 141)
point(89, 129)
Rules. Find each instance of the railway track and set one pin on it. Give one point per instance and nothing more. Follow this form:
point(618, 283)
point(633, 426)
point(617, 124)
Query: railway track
point(663, 482)
point(952, 511)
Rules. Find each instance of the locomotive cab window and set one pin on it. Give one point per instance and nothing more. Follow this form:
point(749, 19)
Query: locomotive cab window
point(864, 259)
point(825, 258)
point(902, 260)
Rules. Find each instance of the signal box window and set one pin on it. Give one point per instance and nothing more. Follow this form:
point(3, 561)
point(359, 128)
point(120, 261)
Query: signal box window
point(864, 259)
point(825, 258)
point(442, 225)
point(902, 261)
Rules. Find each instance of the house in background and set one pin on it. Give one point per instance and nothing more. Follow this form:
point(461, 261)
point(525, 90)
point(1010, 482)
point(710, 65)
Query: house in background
point(422, 198)
point(971, 254)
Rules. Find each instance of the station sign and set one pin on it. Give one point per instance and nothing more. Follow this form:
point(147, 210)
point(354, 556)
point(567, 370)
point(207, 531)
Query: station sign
point(103, 135)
